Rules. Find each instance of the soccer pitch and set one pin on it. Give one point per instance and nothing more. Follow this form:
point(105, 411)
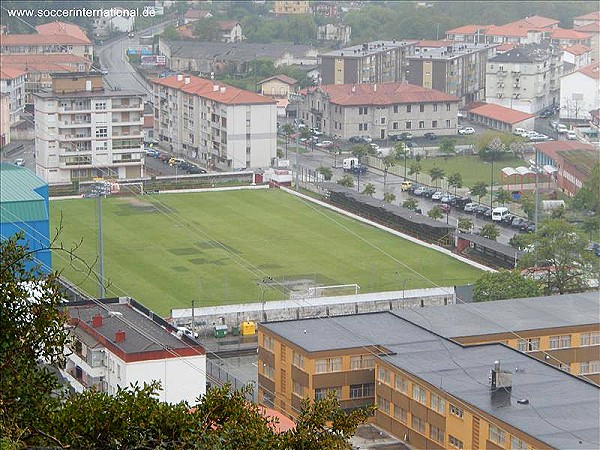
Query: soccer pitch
point(225, 247)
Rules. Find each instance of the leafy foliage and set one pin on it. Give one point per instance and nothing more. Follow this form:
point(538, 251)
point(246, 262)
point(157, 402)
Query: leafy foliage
point(389, 197)
point(503, 196)
point(436, 173)
point(326, 172)
point(369, 189)
point(435, 212)
point(490, 231)
point(455, 180)
point(503, 285)
point(479, 190)
point(447, 145)
point(415, 169)
point(588, 197)
point(465, 224)
point(411, 204)
point(346, 181)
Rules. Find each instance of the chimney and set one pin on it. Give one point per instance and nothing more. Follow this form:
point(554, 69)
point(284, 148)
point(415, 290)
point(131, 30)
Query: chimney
point(97, 321)
point(215, 88)
point(353, 88)
point(119, 336)
point(375, 87)
point(179, 77)
point(186, 80)
point(222, 89)
point(88, 85)
point(499, 378)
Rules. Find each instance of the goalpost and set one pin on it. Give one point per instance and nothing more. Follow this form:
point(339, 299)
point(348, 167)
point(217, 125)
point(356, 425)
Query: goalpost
point(131, 188)
point(337, 289)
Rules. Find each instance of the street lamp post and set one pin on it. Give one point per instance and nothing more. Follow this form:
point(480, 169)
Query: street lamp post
point(492, 186)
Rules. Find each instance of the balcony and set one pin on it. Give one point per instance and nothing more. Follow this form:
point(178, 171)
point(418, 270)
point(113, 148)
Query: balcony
point(74, 123)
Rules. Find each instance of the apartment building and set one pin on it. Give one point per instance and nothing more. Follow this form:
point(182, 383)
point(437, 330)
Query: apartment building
point(525, 78)
point(576, 56)
point(220, 125)
point(455, 68)
point(371, 62)
point(83, 131)
point(39, 69)
point(579, 93)
point(117, 342)
point(334, 32)
point(12, 83)
point(4, 119)
point(53, 37)
point(378, 110)
point(291, 7)
point(435, 392)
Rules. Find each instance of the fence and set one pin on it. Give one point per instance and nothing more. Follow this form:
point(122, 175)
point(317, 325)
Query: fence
point(214, 370)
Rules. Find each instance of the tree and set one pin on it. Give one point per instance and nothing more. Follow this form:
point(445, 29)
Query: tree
point(490, 231)
point(207, 29)
point(436, 173)
point(35, 412)
point(415, 169)
point(504, 284)
point(517, 148)
point(389, 197)
point(360, 151)
point(369, 189)
point(411, 204)
point(591, 225)
point(558, 256)
point(528, 205)
point(455, 180)
point(388, 161)
point(287, 130)
point(435, 212)
point(346, 181)
point(326, 172)
point(503, 196)
point(588, 197)
point(479, 190)
point(465, 224)
point(447, 145)
point(401, 152)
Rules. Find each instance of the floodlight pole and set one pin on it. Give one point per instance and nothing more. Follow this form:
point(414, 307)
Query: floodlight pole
point(101, 289)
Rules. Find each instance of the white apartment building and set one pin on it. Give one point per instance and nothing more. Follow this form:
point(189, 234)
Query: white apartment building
point(220, 125)
point(379, 110)
point(525, 78)
point(83, 131)
point(115, 343)
point(12, 83)
point(580, 93)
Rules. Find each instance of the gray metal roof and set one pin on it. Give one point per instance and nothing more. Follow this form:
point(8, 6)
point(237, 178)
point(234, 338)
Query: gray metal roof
point(504, 315)
point(562, 410)
point(369, 48)
point(142, 334)
point(457, 50)
point(527, 53)
point(503, 249)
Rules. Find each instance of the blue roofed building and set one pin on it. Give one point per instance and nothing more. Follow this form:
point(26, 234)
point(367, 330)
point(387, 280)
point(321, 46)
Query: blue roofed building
point(24, 207)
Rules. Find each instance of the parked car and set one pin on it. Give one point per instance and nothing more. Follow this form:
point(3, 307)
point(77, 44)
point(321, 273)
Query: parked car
point(469, 207)
point(316, 131)
point(404, 136)
point(413, 187)
point(447, 198)
point(187, 332)
point(355, 139)
point(429, 192)
point(479, 210)
point(466, 130)
point(430, 135)
point(175, 161)
point(531, 228)
point(409, 144)
point(460, 202)
point(437, 196)
point(19, 162)
point(445, 207)
point(420, 190)
point(571, 135)
point(374, 146)
point(525, 225)
point(164, 157)
point(405, 186)
point(325, 144)
point(516, 223)
point(507, 220)
point(152, 152)
point(487, 214)
point(196, 170)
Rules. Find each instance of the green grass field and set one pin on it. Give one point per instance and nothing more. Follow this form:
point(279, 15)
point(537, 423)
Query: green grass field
point(472, 168)
point(215, 248)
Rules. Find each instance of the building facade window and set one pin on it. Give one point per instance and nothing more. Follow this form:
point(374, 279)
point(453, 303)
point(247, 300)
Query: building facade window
point(362, 362)
point(447, 106)
point(448, 123)
point(435, 107)
point(268, 371)
point(421, 108)
point(434, 124)
point(496, 435)
point(400, 413)
point(418, 424)
point(383, 375)
point(362, 390)
point(408, 125)
point(101, 132)
point(362, 110)
point(455, 410)
point(321, 393)
point(419, 394)
point(401, 384)
point(395, 125)
point(563, 341)
point(396, 108)
point(588, 367)
point(298, 360)
point(435, 434)
point(421, 124)
point(528, 345)
point(408, 108)
point(383, 404)
point(590, 339)
point(328, 365)
point(517, 444)
point(438, 404)
point(454, 442)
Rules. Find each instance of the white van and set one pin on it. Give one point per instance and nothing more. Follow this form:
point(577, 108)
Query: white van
point(499, 213)
point(520, 132)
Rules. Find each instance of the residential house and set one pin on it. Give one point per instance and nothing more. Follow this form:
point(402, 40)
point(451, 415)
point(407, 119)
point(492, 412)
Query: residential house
point(39, 68)
point(83, 131)
point(121, 22)
point(219, 57)
point(579, 93)
point(291, 7)
point(593, 31)
point(25, 208)
point(562, 37)
point(231, 31)
point(586, 19)
point(576, 56)
point(325, 8)
point(223, 126)
point(574, 162)
point(371, 62)
point(193, 15)
point(378, 110)
point(595, 120)
point(4, 119)
point(455, 68)
point(500, 118)
point(118, 342)
point(451, 384)
point(334, 32)
point(12, 83)
point(53, 37)
point(525, 78)
point(473, 34)
point(278, 86)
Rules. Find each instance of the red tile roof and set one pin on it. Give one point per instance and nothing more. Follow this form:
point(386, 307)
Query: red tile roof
point(593, 27)
point(467, 29)
point(186, 31)
point(500, 113)
point(38, 66)
point(56, 58)
point(196, 14)
point(534, 22)
point(505, 47)
point(206, 88)
point(9, 73)
point(283, 424)
point(561, 33)
point(590, 16)
point(435, 44)
point(577, 49)
point(554, 148)
point(382, 94)
point(592, 71)
point(226, 25)
point(508, 30)
point(68, 29)
point(14, 40)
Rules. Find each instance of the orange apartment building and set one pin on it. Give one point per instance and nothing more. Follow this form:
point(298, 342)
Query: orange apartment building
point(474, 390)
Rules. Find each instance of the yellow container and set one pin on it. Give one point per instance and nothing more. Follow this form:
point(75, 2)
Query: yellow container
point(248, 328)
